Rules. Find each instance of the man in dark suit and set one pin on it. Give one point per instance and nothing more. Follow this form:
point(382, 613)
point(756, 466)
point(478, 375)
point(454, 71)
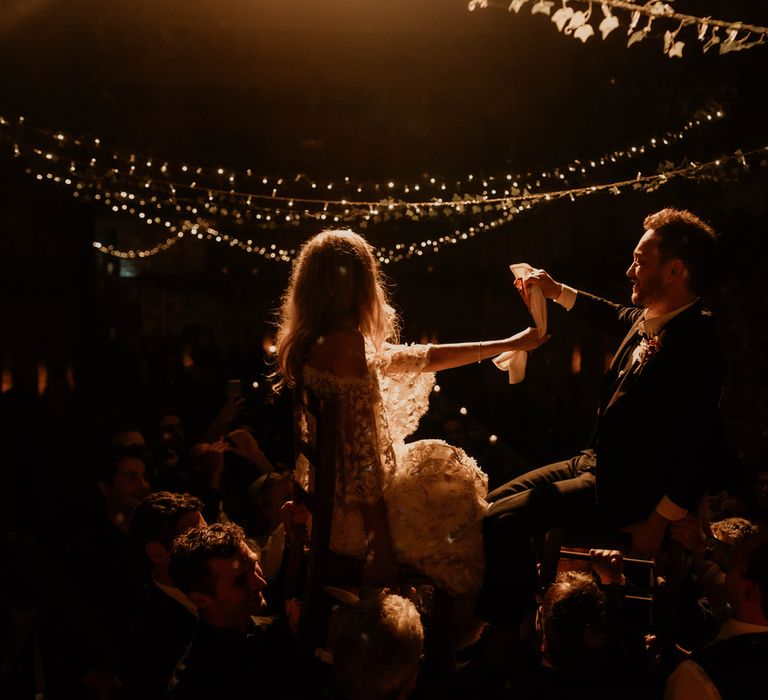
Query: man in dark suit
point(733, 665)
point(163, 627)
point(234, 650)
point(654, 444)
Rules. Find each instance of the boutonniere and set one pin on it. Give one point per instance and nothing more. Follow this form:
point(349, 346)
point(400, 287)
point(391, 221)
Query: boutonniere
point(648, 347)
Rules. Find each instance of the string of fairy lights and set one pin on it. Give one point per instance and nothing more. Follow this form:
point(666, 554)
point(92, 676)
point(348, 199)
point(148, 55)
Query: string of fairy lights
point(710, 170)
point(127, 184)
point(273, 200)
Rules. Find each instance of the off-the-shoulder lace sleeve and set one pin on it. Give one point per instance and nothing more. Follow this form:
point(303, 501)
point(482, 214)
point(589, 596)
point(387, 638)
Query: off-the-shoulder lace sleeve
point(405, 387)
point(365, 456)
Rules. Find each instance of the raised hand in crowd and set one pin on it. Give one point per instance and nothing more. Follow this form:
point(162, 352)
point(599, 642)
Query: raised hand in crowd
point(242, 442)
point(608, 564)
point(229, 411)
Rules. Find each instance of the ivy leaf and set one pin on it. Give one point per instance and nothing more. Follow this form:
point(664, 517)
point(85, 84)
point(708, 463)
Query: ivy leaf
point(633, 22)
point(584, 32)
point(703, 30)
point(676, 50)
point(561, 17)
point(608, 25)
point(543, 7)
point(578, 20)
point(477, 4)
point(639, 35)
point(516, 5)
point(669, 38)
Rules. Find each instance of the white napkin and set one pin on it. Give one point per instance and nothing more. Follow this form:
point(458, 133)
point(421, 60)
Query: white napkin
point(514, 361)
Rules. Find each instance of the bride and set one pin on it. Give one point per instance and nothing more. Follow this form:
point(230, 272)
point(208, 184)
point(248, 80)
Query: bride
point(419, 503)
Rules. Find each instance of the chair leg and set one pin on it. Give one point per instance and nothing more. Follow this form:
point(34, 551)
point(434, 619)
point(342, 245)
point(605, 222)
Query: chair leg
point(439, 652)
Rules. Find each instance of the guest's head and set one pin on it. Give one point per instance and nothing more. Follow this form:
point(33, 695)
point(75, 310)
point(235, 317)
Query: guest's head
point(335, 283)
point(204, 460)
point(378, 647)
point(122, 482)
point(675, 260)
point(573, 623)
point(219, 573)
point(170, 431)
point(157, 521)
point(127, 433)
point(732, 530)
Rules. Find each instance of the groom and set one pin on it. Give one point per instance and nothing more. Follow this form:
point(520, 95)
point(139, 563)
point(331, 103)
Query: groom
point(653, 448)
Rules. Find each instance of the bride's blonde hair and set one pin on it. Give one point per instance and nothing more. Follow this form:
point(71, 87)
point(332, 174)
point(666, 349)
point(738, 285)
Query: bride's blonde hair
point(335, 282)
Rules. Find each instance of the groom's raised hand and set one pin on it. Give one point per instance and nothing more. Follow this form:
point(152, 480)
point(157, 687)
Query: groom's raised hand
point(541, 279)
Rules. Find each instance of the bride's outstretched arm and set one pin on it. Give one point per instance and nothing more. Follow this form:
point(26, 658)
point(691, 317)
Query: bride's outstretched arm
point(448, 355)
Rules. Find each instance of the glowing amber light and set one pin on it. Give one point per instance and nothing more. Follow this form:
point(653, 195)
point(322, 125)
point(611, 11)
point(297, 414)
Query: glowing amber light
point(576, 360)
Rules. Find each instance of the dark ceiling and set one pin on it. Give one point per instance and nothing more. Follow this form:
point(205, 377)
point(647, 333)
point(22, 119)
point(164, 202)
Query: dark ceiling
point(384, 89)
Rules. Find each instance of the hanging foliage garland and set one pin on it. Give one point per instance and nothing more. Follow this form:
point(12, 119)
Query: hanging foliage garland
point(638, 20)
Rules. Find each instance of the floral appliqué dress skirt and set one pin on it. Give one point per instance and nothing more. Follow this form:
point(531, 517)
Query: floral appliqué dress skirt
point(434, 492)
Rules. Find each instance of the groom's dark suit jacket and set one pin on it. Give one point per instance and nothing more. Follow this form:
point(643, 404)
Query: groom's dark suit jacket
point(658, 429)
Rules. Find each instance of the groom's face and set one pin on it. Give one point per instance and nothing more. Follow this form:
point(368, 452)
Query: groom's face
point(646, 271)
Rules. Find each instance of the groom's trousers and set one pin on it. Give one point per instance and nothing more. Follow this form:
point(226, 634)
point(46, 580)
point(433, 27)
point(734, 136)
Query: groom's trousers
point(560, 495)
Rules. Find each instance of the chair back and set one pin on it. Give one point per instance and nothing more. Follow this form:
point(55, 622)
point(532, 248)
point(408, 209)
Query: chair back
point(320, 454)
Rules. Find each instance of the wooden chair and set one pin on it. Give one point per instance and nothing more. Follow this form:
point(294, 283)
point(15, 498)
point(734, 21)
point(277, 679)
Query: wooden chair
point(325, 568)
point(653, 582)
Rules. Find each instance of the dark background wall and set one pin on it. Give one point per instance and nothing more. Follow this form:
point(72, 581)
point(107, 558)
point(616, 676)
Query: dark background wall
point(373, 90)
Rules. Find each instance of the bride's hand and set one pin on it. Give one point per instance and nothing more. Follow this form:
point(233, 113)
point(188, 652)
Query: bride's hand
point(528, 339)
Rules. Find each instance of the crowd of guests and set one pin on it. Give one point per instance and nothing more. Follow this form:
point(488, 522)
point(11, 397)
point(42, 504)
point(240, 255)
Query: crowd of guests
point(148, 559)
point(171, 582)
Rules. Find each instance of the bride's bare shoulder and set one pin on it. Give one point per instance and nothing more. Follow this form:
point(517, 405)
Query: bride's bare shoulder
point(340, 351)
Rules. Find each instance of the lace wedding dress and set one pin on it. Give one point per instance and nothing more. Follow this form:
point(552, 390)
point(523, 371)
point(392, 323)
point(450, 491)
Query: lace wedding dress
point(434, 492)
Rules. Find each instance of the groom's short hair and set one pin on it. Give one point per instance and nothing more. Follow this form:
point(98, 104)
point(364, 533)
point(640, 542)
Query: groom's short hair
point(685, 236)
